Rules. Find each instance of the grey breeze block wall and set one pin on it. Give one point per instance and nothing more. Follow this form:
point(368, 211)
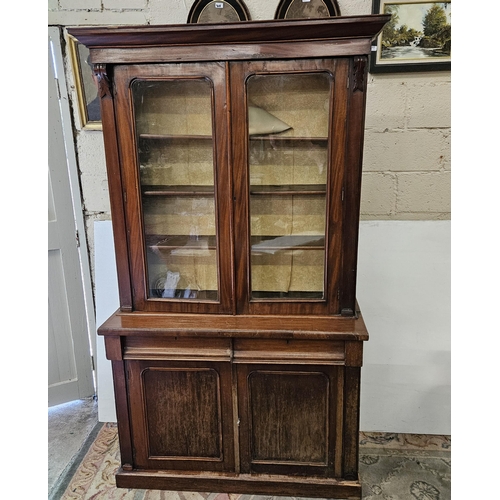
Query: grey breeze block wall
point(407, 155)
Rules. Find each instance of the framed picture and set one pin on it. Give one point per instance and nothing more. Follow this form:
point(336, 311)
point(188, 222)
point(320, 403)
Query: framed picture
point(210, 11)
point(306, 9)
point(417, 38)
point(85, 84)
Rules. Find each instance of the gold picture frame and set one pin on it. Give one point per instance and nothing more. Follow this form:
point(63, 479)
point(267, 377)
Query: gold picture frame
point(85, 85)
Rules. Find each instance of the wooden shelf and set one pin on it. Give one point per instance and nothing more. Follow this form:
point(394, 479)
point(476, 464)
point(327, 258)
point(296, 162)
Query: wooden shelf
point(171, 137)
point(164, 242)
point(180, 294)
point(159, 190)
point(272, 244)
point(319, 141)
point(288, 189)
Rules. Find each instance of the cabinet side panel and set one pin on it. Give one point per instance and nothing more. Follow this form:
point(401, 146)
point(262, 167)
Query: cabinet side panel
point(351, 422)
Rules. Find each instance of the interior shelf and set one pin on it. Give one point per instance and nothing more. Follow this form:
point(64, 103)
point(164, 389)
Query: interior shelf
point(320, 141)
point(181, 293)
point(171, 137)
point(161, 190)
point(165, 242)
point(268, 137)
point(259, 243)
point(288, 189)
point(270, 244)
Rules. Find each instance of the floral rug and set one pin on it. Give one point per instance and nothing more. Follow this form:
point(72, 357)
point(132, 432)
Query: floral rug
point(392, 467)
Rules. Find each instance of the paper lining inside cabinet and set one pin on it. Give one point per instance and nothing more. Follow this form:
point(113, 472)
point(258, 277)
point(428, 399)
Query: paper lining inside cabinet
point(176, 162)
point(173, 107)
point(299, 100)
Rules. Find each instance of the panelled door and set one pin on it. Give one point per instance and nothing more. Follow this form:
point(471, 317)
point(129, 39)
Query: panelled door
point(291, 419)
point(181, 413)
point(70, 374)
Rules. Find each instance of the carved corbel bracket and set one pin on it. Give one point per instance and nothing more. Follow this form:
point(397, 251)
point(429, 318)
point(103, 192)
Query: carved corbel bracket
point(103, 80)
point(359, 73)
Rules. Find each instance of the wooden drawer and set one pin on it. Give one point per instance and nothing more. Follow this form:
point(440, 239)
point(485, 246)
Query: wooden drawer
point(305, 352)
point(177, 348)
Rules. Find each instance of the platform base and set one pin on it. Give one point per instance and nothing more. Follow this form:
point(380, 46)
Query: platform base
point(258, 484)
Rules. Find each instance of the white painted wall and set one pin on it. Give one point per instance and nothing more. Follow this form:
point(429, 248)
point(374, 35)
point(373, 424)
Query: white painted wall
point(106, 303)
point(404, 279)
point(404, 294)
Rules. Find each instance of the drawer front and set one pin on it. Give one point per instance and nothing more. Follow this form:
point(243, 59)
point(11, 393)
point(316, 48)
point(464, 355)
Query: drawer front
point(305, 352)
point(177, 348)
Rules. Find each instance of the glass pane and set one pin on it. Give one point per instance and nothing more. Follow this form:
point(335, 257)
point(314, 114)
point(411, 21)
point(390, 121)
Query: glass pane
point(174, 129)
point(288, 162)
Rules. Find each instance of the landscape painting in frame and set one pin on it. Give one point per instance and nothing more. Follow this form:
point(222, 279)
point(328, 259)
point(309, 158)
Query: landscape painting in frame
point(417, 37)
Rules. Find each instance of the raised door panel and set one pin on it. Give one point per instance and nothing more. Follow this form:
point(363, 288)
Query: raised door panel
point(181, 415)
point(173, 140)
point(289, 122)
point(291, 419)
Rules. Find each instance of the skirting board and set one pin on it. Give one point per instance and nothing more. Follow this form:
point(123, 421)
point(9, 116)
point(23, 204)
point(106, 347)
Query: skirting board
point(404, 292)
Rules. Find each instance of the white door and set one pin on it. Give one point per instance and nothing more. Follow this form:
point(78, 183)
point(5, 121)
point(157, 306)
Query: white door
point(70, 365)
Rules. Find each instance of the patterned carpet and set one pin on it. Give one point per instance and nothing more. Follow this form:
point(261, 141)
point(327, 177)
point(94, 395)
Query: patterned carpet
point(392, 467)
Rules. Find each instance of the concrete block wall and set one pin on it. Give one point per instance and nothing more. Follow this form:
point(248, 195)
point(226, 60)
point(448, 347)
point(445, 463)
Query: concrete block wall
point(407, 158)
point(407, 138)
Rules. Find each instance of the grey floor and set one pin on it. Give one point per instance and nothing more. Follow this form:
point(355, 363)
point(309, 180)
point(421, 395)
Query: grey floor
point(70, 427)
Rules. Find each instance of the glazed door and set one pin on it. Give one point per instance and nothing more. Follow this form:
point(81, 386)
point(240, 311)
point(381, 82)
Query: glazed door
point(288, 149)
point(173, 139)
